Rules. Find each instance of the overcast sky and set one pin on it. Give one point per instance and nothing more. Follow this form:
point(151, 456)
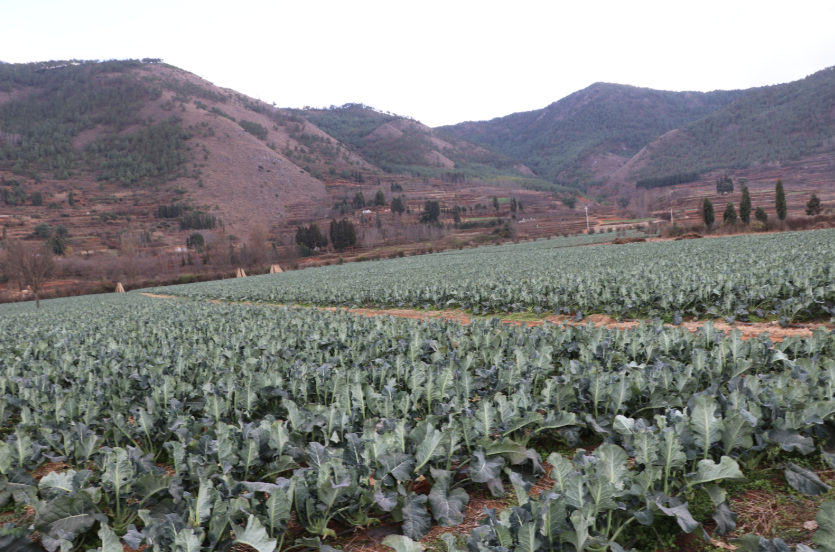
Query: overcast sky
point(441, 62)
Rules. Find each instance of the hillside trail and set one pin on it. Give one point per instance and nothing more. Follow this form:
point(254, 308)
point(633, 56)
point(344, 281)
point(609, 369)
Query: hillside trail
point(749, 330)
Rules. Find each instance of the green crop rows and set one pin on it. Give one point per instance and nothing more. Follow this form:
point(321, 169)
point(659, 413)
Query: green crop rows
point(189, 426)
point(785, 275)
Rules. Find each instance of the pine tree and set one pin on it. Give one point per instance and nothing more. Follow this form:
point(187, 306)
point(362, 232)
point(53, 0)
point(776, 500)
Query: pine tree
point(780, 200)
point(813, 206)
point(745, 206)
point(71, 199)
point(729, 216)
point(761, 215)
point(707, 213)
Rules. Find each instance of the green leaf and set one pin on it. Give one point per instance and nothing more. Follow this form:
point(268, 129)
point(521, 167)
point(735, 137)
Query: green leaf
point(67, 514)
point(706, 426)
point(671, 451)
point(277, 509)
point(825, 535)
point(611, 464)
point(187, 541)
point(708, 471)
point(11, 543)
point(416, 520)
point(737, 433)
point(402, 543)
point(483, 469)
point(255, 536)
point(398, 464)
point(451, 542)
point(118, 470)
point(791, 441)
point(804, 481)
point(430, 446)
point(683, 516)
point(447, 505)
point(725, 518)
point(526, 536)
point(561, 468)
point(109, 541)
point(150, 484)
point(520, 486)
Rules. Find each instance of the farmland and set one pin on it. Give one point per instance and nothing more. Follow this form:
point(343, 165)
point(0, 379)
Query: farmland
point(787, 276)
point(187, 425)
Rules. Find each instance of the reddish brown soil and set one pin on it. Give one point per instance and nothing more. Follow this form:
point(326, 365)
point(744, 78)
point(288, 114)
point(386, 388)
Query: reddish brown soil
point(749, 330)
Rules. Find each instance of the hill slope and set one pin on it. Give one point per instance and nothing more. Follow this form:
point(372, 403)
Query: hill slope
point(562, 141)
point(157, 134)
point(770, 125)
point(403, 145)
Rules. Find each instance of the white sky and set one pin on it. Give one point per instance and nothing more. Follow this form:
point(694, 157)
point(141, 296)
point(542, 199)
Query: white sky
point(441, 62)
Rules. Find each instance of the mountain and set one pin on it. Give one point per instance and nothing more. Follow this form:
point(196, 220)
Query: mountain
point(603, 124)
point(772, 125)
point(404, 146)
point(126, 136)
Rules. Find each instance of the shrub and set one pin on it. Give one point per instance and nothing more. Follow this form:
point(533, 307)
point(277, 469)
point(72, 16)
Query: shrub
point(43, 231)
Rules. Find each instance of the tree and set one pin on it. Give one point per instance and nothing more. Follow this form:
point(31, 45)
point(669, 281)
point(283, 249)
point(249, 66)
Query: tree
point(359, 201)
point(813, 206)
point(729, 216)
point(71, 199)
point(780, 200)
point(342, 234)
point(397, 205)
point(43, 231)
point(724, 185)
point(431, 211)
point(496, 203)
point(258, 245)
point(521, 207)
point(761, 215)
point(196, 241)
point(512, 204)
point(30, 266)
point(745, 205)
point(569, 201)
point(36, 198)
point(707, 213)
point(380, 198)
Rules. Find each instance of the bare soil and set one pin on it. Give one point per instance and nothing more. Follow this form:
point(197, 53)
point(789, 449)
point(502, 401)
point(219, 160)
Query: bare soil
point(775, 331)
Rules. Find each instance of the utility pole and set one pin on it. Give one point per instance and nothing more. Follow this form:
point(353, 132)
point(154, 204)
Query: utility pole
point(586, 207)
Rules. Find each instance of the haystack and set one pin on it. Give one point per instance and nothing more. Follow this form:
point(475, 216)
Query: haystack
point(240, 273)
point(275, 269)
point(119, 288)
point(621, 241)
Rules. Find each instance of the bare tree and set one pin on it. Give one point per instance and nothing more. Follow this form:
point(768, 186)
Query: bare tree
point(30, 266)
point(258, 247)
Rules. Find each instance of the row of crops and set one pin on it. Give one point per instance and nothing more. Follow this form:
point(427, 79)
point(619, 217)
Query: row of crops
point(785, 275)
point(187, 426)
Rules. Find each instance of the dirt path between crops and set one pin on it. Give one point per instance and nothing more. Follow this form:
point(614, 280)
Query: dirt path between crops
point(749, 330)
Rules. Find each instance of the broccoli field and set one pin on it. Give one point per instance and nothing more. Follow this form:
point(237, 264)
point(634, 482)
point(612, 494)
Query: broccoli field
point(789, 275)
point(181, 425)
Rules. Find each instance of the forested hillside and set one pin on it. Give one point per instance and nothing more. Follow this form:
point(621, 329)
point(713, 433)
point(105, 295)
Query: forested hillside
point(769, 125)
point(602, 119)
point(401, 145)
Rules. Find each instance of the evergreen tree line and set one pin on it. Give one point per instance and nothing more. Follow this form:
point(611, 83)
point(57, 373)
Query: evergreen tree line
point(668, 180)
point(174, 210)
point(730, 215)
point(257, 130)
point(197, 220)
point(343, 234)
point(310, 237)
